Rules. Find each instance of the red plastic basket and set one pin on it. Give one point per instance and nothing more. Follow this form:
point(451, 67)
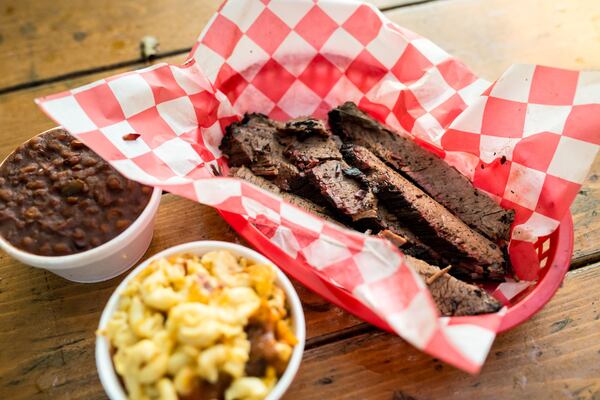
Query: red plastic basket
point(554, 253)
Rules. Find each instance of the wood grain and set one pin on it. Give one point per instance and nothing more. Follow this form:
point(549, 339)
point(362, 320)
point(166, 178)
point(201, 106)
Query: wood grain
point(47, 324)
point(555, 355)
point(491, 35)
point(39, 40)
point(21, 118)
point(585, 210)
point(37, 43)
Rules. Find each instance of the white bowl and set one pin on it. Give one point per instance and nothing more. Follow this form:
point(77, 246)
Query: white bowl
point(103, 262)
point(104, 364)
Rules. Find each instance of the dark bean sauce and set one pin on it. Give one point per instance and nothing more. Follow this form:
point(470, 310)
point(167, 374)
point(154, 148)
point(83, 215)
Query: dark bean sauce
point(58, 197)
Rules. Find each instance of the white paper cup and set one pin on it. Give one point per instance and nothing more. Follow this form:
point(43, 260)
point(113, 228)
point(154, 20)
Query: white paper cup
point(103, 262)
point(104, 364)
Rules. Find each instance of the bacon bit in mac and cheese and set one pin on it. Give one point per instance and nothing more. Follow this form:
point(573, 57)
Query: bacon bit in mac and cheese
point(208, 327)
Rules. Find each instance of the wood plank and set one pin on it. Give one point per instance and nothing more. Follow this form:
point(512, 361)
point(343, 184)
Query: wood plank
point(490, 35)
point(555, 355)
point(47, 324)
point(36, 44)
point(585, 211)
point(21, 118)
point(55, 358)
point(39, 41)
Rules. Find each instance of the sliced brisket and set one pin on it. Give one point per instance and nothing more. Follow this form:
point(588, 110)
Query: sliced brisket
point(253, 142)
point(318, 156)
point(463, 247)
point(413, 246)
point(310, 151)
point(452, 296)
point(344, 194)
point(432, 174)
point(247, 175)
point(302, 128)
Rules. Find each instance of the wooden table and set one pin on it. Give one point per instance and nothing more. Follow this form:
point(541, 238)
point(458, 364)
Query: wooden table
point(47, 324)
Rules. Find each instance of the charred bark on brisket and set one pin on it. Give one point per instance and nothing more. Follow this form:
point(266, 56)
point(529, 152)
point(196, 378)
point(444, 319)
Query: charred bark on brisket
point(300, 202)
point(253, 142)
point(452, 296)
point(432, 174)
point(427, 219)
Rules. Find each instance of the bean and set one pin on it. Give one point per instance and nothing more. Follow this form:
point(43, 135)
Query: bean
point(78, 233)
point(54, 145)
point(122, 224)
point(104, 228)
point(61, 248)
point(88, 161)
point(95, 241)
point(74, 160)
point(45, 249)
point(72, 187)
point(66, 153)
point(29, 169)
point(76, 144)
point(113, 213)
point(32, 213)
point(92, 210)
point(35, 184)
point(6, 194)
point(114, 183)
point(41, 203)
point(72, 199)
point(27, 241)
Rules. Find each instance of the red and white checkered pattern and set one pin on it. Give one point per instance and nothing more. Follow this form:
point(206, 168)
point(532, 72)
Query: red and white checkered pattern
point(529, 140)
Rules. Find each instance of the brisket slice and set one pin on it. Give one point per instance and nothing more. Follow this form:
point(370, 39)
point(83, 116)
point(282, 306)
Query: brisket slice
point(432, 174)
point(300, 202)
point(452, 296)
point(463, 247)
point(253, 142)
point(305, 127)
point(346, 195)
point(413, 246)
point(308, 146)
point(311, 151)
point(318, 156)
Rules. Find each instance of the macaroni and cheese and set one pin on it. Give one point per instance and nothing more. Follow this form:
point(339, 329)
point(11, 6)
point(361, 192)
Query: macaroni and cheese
point(191, 327)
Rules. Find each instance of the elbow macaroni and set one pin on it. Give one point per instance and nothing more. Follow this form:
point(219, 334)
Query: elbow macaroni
point(181, 325)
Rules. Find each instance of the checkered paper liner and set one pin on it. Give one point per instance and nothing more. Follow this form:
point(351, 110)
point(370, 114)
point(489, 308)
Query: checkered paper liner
point(528, 140)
